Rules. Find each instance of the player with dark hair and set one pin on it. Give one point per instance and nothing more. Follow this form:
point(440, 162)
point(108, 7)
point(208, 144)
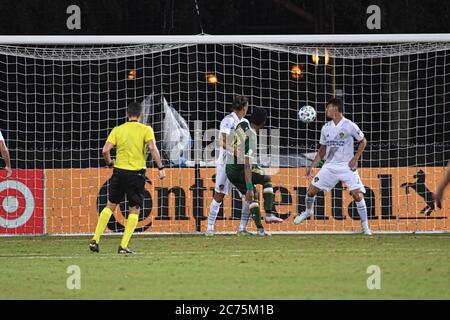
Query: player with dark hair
point(337, 103)
point(336, 147)
point(131, 140)
point(244, 174)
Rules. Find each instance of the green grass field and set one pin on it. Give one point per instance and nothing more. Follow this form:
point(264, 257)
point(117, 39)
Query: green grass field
point(229, 267)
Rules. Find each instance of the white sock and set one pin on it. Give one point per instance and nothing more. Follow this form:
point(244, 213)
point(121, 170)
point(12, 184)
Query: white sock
point(245, 215)
point(362, 211)
point(213, 211)
point(309, 202)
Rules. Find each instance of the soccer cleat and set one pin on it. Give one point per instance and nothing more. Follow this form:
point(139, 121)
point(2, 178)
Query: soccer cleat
point(299, 218)
point(93, 246)
point(365, 228)
point(209, 232)
point(262, 233)
point(244, 233)
point(271, 218)
point(125, 251)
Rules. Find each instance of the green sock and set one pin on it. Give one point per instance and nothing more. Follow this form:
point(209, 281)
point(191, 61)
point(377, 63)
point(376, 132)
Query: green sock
point(268, 197)
point(256, 214)
point(103, 220)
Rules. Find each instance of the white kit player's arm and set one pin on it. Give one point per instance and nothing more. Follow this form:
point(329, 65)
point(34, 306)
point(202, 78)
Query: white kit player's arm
point(5, 155)
point(358, 135)
point(225, 130)
point(319, 155)
point(439, 194)
point(223, 141)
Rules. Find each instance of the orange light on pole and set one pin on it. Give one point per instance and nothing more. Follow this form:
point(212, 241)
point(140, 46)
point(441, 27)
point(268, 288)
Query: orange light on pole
point(315, 57)
point(131, 74)
point(296, 72)
point(327, 57)
point(211, 78)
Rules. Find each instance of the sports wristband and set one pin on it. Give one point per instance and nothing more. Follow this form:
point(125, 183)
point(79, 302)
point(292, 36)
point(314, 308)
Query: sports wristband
point(162, 168)
point(249, 186)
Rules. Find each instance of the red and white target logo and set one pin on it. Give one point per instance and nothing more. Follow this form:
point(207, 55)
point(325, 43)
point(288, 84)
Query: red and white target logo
point(21, 203)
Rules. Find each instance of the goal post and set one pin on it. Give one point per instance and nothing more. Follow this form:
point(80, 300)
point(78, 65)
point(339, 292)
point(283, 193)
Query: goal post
point(60, 96)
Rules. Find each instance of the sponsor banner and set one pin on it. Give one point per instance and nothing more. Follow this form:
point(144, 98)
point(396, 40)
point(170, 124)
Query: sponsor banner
point(22, 202)
point(398, 199)
point(75, 197)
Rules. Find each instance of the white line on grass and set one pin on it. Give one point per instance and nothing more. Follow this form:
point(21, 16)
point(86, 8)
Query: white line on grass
point(199, 253)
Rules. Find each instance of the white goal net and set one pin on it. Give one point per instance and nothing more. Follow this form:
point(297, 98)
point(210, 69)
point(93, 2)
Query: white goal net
point(59, 102)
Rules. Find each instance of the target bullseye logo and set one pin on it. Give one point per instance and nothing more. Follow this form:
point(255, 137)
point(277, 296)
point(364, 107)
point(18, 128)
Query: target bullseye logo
point(11, 204)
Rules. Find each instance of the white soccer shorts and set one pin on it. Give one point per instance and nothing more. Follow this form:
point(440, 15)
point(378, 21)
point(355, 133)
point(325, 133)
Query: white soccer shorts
point(331, 174)
point(223, 185)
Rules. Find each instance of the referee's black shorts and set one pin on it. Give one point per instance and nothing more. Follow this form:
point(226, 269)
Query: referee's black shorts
point(131, 183)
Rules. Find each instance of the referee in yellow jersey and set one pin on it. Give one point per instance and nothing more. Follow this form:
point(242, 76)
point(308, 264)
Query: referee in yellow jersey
point(131, 140)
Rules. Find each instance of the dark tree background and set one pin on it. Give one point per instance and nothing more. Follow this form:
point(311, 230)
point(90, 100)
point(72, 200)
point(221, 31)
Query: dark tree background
point(223, 16)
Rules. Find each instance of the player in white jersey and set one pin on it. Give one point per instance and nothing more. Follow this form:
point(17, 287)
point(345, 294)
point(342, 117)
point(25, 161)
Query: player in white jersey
point(5, 155)
point(336, 147)
point(223, 185)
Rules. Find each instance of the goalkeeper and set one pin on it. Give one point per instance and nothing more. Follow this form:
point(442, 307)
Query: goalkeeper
point(130, 140)
point(244, 175)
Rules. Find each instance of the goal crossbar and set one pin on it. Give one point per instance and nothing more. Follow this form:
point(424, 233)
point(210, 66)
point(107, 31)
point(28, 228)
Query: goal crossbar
point(223, 39)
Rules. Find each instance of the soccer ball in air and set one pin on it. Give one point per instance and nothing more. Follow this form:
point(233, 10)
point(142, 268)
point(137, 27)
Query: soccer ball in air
point(307, 114)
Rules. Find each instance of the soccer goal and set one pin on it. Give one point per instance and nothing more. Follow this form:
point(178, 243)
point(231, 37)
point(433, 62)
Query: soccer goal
point(60, 97)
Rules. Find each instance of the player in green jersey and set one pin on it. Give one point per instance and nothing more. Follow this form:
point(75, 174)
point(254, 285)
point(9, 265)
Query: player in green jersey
point(244, 174)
